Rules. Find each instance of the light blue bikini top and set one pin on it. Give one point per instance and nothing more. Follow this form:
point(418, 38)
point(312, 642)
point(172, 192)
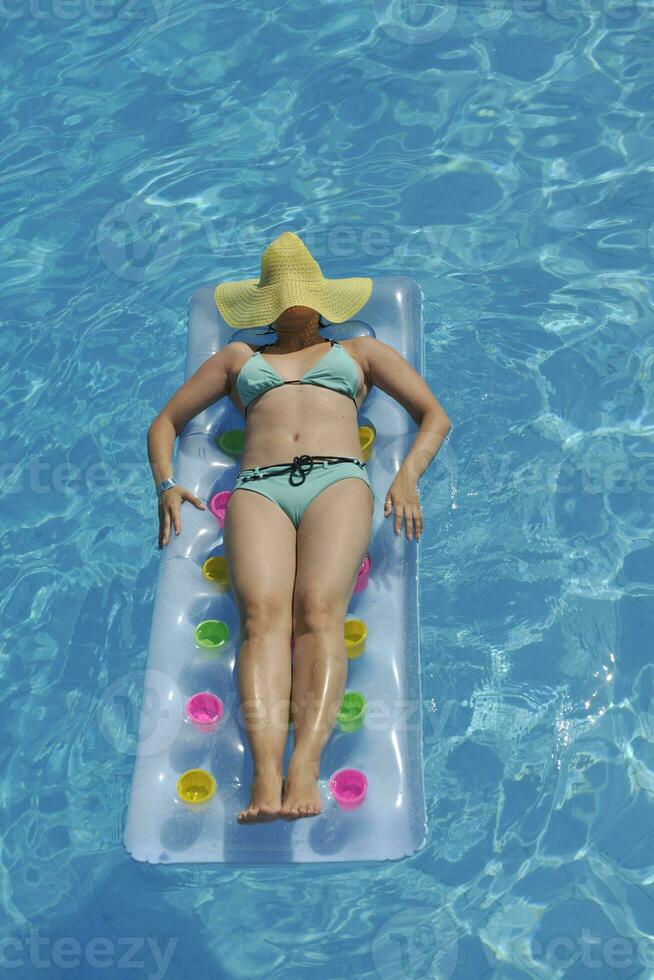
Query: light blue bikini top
point(336, 370)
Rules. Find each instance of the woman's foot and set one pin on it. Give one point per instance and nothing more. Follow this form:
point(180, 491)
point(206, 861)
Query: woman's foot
point(265, 796)
point(301, 794)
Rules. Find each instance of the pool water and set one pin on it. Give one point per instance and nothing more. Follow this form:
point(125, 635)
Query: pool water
point(499, 153)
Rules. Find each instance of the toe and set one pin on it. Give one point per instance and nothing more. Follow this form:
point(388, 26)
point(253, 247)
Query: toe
point(248, 815)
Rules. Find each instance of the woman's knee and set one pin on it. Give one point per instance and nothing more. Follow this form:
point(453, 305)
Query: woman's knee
point(265, 614)
point(315, 611)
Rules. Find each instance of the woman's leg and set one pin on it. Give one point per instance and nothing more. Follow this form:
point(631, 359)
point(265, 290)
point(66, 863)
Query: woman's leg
point(260, 549)
point(332, 539)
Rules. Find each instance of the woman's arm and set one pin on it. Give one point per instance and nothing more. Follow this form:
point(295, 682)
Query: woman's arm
point(388, 370)
point(210, 383)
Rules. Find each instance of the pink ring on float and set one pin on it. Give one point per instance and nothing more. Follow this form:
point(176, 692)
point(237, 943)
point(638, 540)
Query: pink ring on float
point(218, 505)
point(205, 710)
point(349, 788)
point(362, 576)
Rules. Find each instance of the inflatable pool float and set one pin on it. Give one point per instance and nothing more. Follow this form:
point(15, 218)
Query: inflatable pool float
point(193, 765)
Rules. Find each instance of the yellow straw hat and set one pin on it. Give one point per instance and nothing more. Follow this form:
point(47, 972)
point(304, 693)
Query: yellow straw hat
point(290, 276)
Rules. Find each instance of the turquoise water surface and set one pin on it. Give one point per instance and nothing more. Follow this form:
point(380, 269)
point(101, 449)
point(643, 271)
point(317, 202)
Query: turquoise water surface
point(499, 153)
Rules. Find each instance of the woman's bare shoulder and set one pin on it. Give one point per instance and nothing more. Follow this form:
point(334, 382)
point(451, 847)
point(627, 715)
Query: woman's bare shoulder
point(237, 348)
point(355, 345)
point(360, 348)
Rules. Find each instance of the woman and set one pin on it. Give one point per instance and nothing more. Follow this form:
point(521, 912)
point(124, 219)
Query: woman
point(296, 532)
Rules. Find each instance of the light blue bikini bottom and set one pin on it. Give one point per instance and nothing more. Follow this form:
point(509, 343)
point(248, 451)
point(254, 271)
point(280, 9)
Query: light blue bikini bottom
point(294, 485)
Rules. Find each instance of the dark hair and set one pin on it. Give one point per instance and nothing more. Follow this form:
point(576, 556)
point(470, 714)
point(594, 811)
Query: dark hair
point(321, 325)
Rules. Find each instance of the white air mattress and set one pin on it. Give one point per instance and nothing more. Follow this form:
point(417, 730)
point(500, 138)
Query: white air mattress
point(391, 822)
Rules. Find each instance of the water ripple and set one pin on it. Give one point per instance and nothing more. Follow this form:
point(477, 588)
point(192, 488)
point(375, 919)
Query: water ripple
point(499, 154)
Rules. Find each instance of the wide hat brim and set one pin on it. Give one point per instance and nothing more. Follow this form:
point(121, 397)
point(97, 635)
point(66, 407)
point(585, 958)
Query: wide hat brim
point(247, 304)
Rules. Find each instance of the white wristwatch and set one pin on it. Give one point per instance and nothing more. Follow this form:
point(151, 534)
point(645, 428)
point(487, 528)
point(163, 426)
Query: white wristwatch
point(165, 485)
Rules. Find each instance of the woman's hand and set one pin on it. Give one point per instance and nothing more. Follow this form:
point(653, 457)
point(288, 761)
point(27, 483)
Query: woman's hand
point(403, 499)
point(170, 502)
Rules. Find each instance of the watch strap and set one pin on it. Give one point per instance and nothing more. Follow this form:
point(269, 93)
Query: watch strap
point(165, 485)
